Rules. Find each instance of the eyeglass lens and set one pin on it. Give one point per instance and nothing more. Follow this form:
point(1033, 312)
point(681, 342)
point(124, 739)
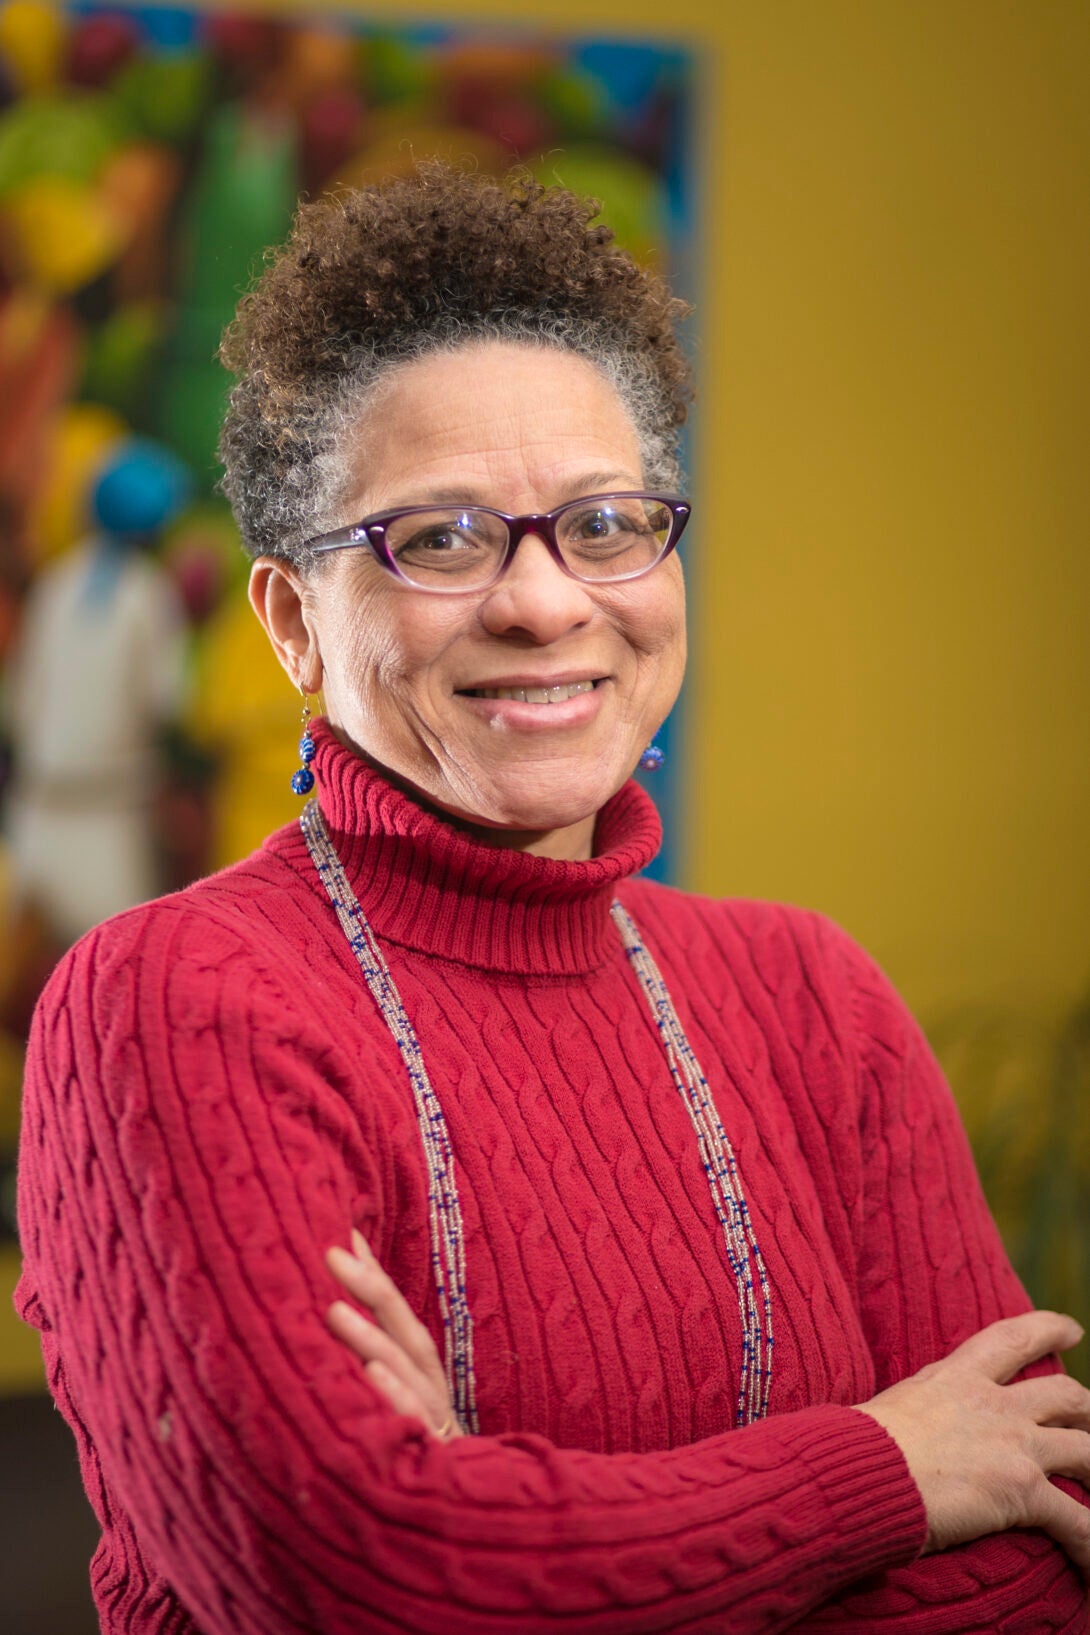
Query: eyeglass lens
point(461, 546)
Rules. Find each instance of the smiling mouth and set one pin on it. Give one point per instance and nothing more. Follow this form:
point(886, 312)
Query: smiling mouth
point(533, 695)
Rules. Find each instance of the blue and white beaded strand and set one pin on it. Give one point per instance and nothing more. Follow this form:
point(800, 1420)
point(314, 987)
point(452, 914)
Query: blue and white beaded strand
point(721, 1168)
point(444, 1207)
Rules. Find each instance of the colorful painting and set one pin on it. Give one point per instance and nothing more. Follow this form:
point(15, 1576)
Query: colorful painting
point(148, 157)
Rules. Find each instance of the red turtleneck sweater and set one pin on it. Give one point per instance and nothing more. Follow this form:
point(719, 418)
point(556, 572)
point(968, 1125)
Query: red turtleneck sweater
point(212, 1099)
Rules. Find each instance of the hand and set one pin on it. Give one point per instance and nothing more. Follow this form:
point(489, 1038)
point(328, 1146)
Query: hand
point(981, 1450)
point(398, 1353)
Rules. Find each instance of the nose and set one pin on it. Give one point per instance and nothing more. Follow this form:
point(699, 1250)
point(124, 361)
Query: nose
point(536, 597)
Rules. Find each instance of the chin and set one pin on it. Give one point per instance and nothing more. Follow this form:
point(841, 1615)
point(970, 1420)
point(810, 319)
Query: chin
point(526, 817)
point(558, 803)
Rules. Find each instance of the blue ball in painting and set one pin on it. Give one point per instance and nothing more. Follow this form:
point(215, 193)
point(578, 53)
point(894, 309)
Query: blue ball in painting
point(141, 489)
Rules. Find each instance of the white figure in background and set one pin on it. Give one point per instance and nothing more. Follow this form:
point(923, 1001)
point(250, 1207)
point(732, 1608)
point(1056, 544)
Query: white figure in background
point(96, 676)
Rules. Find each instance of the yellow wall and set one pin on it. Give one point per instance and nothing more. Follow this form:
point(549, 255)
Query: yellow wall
point(892, 683)
point(894, 697)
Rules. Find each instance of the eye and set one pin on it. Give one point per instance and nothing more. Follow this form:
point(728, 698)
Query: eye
point(434, 542)
point(613, 536)
point(429, 542)
point(438, 539)
point(598, 522)
point(606, 525)
point(458, 544)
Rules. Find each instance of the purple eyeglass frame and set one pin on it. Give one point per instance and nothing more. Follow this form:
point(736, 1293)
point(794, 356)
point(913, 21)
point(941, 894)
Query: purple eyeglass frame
point(371, 531)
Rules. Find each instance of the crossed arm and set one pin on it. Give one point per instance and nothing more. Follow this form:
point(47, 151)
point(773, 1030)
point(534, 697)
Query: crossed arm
point(984, 1442)
point(175, 1224)
point(981, 1444)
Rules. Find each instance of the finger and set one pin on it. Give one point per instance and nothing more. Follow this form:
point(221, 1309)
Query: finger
point(1064, 1453)
point(411, 1354)
point(1065, 1520)
point(349, 1325)
point(401, 1398)
point(370, 1344)
point(1003, 1349)
point(362, 1275)
point(398, 1317)
point(1056, 1399)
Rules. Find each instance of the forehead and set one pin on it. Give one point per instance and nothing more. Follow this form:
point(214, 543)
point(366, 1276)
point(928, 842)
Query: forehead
point(518, 426)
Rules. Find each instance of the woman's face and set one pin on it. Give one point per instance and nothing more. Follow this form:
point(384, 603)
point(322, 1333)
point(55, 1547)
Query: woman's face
point(521, 429)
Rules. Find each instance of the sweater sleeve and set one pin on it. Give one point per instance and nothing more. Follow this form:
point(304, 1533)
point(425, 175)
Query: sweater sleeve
point(186, 1161)
point(932, 1271)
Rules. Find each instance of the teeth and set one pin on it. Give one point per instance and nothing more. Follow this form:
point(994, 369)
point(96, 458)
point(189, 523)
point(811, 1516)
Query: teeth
point(535, 695)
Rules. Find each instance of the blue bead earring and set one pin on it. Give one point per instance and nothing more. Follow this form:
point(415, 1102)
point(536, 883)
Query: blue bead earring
point(652, 758)
point(302, 781)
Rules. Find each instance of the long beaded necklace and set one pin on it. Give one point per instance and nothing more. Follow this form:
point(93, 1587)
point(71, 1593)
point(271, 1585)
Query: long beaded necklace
point(444, 1208)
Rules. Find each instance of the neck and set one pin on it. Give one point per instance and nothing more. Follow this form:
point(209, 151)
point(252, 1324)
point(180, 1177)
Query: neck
point(445, 887)
point(574, 843)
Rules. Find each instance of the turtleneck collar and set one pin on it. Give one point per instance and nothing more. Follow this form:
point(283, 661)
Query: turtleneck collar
point(425, 884)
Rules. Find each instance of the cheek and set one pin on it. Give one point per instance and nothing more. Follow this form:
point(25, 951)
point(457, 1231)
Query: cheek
point(664, 634)
point(656, 622)
point(673, 611)
point(378, 643)
point(351, 630)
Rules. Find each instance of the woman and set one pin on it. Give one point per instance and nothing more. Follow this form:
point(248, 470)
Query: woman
point(685, 1216)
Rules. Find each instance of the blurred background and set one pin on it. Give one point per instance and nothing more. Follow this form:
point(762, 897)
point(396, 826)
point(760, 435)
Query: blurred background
point(881, 211)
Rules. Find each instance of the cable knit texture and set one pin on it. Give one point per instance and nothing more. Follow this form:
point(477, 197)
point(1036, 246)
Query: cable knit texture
point(212, 1099)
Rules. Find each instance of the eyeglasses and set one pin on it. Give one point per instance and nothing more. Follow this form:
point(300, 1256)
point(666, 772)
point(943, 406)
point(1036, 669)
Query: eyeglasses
point(450, 548)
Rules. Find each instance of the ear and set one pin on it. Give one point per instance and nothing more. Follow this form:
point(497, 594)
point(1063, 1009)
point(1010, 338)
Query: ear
point(278, 595)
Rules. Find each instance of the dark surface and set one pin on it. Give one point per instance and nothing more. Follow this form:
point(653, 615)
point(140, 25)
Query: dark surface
point(47, 1530)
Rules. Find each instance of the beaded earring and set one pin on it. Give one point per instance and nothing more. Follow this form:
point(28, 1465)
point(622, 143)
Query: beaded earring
point(652, 758)
point(302, 781)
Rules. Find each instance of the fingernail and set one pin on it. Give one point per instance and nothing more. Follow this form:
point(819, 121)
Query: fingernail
point(361, 1246)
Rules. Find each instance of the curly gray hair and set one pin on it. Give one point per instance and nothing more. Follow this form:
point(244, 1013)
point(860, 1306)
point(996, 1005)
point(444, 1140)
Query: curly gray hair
point(373, 280)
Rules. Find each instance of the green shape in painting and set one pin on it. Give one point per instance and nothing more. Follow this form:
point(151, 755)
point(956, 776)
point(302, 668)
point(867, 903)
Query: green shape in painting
point(241, 201)
point(119, 358)
point(165, 97)
point(633, 202)
point(396, 70)
point(66, 136)
point(575, 100)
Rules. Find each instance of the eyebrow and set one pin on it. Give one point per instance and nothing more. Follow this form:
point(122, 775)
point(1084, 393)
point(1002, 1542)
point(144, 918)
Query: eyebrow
point(586, 483)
